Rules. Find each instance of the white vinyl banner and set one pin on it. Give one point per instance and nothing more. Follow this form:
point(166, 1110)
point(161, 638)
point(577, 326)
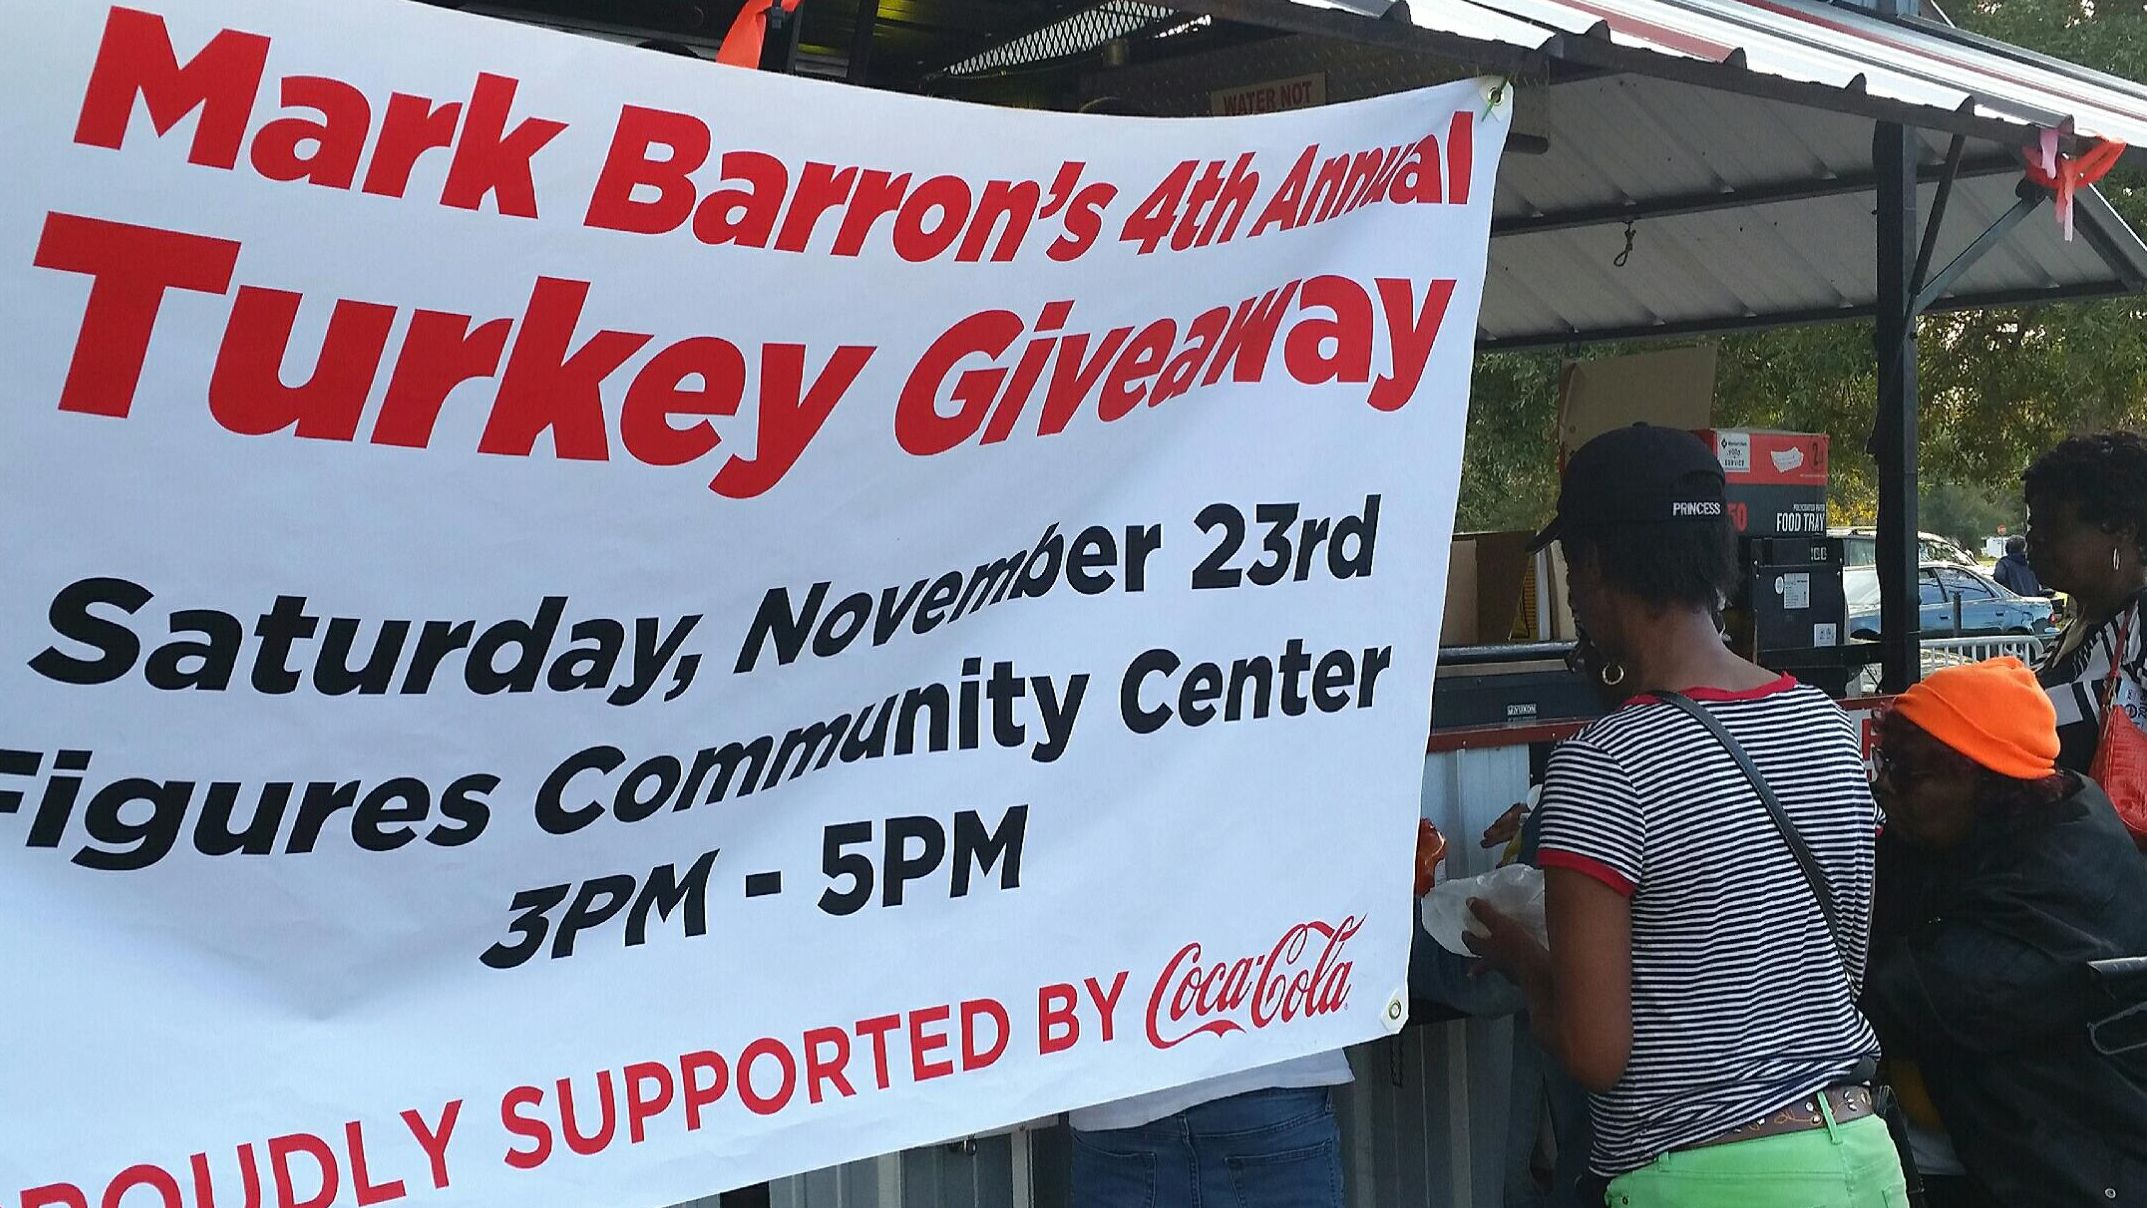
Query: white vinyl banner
point(582, 627)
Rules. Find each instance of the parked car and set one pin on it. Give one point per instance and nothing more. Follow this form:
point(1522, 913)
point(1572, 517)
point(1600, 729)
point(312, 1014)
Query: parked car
point(1986, 608)
point(1860, 547)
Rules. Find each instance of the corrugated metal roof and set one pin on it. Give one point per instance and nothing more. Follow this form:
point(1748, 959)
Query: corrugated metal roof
point(1747, 211)
point(1749, 187)
point(1460, 18)
point(1743, 211)
point(1810, 42)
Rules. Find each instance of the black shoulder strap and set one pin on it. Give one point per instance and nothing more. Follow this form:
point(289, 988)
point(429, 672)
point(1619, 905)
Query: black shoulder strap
point(1803, 854)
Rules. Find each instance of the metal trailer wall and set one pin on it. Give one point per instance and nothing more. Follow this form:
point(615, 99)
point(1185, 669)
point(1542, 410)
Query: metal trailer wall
point(1423, 1126)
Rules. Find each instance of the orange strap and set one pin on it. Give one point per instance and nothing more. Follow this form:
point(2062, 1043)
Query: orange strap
point(742, 45)
point(2066, 175)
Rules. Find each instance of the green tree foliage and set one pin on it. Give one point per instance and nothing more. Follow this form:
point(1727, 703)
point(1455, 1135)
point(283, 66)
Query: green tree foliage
point(1997, 386)
point(1509, 475)
point(1969, 513)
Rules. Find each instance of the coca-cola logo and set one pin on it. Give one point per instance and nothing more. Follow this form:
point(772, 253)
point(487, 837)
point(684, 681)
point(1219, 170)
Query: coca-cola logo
point(1302, 976)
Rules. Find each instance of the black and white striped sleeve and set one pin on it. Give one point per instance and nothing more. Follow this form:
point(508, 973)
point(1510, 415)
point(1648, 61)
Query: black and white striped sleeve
point(1593, 822)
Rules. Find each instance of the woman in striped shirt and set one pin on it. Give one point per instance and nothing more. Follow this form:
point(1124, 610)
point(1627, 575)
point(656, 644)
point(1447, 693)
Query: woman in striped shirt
point(1693, 982)
point(2087, 516)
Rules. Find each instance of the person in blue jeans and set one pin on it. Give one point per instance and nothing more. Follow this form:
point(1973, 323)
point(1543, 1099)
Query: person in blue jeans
point(1266, 1138)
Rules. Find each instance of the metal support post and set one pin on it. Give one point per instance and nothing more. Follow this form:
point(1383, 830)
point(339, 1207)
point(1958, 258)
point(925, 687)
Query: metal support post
point(1894, 436)
point(1930, 292)
point(779, 52)
point(861, 35)
point(1894, 152)
point(1931, 225)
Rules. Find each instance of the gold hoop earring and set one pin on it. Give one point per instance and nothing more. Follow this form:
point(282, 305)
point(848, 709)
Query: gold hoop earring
point(1613, 675)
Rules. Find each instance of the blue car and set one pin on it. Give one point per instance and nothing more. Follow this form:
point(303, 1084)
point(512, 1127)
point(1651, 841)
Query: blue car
point(1985, 607)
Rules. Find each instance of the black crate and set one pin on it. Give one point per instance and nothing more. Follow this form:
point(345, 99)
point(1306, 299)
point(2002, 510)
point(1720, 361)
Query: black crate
point(1793, 593)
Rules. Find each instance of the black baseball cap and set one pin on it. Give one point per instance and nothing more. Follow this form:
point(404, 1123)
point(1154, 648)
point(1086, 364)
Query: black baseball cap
point(1637, 475)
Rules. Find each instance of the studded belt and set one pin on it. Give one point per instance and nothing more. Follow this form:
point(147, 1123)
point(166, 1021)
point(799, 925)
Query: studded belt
point(1846, 1102)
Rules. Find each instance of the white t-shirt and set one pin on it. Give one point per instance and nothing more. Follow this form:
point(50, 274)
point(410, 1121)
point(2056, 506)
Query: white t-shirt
point(1320, 1069)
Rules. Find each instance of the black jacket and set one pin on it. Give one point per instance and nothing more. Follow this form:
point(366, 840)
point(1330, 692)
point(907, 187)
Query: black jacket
point(1979, 974)
point(2015, 575)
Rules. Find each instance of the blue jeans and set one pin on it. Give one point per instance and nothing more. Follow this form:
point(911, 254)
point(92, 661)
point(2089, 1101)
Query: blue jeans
point(1262, 1149)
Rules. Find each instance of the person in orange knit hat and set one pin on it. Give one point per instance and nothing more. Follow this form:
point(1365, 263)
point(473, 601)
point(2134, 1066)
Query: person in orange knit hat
point(2000, 878)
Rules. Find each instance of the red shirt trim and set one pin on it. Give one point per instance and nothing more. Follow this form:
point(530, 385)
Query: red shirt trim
point(1775, 688)
point(1587, 866)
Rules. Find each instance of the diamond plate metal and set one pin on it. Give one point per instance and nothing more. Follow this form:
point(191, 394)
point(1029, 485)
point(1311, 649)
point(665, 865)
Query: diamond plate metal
point(1078, 34)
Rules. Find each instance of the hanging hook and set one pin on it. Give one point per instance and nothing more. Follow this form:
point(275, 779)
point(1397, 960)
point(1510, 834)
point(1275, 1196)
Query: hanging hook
point(1627, 254)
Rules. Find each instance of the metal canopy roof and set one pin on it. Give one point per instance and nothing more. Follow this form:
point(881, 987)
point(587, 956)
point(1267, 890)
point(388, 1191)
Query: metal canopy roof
point(1877, 65)
point(1745, 213)
point(1735, 137)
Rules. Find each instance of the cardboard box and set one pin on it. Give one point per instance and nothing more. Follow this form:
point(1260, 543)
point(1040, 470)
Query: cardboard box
point(1674, 388)
point(1497, 593)
point(1457, 625)
point(1485, 577)
point(1501, 573)
point(1557, 624)
point(1777, 480)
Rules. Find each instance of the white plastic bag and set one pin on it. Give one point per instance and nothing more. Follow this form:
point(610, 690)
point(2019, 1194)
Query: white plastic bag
point(1516, 891)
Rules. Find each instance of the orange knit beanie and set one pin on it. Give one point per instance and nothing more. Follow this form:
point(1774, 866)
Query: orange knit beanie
point(1994, 713)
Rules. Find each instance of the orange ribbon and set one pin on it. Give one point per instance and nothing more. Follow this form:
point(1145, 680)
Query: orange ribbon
point(2066, 175)
point(742, 45)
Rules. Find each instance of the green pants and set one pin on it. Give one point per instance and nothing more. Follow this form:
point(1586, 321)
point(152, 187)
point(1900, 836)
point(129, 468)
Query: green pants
point(1851, 1165)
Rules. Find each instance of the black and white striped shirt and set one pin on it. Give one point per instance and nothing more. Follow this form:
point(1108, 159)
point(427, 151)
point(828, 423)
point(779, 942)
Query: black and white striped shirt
point(2078, 681)
point(1740, 1002)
